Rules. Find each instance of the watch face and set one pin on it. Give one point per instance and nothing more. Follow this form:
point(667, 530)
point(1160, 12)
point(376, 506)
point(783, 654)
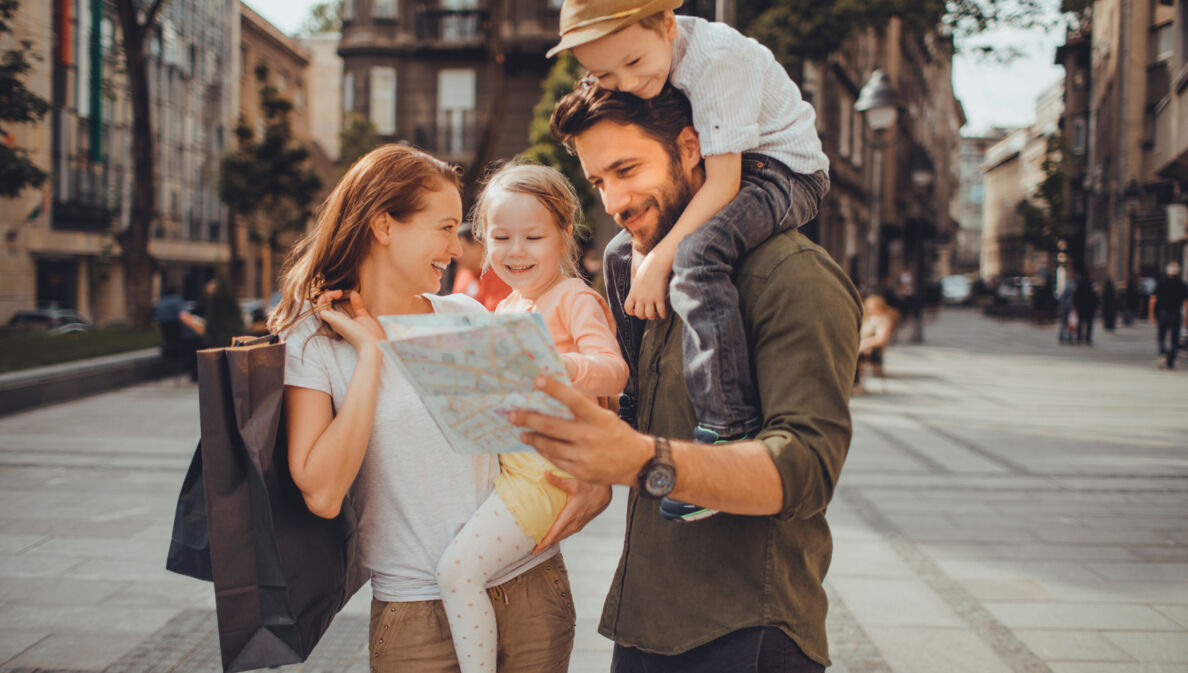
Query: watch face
point(661, 479)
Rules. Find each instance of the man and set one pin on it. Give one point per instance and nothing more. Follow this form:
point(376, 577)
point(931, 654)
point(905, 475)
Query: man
point(1167, 308)
point(744, 586)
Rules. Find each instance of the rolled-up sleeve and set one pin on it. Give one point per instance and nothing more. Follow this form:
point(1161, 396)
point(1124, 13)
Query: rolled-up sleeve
point(805, 317)
point(724, 100)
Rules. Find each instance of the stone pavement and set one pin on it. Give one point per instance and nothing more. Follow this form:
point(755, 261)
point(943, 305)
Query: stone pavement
point(1008, 505)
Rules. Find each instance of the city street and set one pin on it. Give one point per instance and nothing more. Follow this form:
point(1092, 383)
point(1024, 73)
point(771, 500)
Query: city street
point(1008, 505)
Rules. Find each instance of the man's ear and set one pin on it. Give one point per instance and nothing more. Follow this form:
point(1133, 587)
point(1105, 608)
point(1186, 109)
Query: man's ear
point(381, 228)
point(689, 146)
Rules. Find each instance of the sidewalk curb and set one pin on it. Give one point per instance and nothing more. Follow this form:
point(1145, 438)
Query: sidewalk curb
point(23, 390)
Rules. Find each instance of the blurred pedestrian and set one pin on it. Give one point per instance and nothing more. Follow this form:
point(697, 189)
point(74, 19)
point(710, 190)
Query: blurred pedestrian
point(1130, 298)
point(1168, 305)
point(874, 337)
point(1109, 306)
point(1085, 301)
point(1067, 330)
point(471, 279)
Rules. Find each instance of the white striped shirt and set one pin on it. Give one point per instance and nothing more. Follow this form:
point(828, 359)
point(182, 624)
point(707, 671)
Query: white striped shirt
point(742, 98)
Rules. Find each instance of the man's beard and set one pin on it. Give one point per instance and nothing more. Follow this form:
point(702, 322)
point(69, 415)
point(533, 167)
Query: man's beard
point(675, 198)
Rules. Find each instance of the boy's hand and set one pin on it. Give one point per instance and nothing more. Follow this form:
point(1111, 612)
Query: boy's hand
point(648, 298)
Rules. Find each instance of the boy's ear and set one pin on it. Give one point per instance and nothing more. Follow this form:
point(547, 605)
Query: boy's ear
point(670, 25)
point(381, 228)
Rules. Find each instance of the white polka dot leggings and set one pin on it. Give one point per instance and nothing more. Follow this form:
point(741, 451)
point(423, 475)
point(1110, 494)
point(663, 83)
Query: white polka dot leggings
point(488, 543)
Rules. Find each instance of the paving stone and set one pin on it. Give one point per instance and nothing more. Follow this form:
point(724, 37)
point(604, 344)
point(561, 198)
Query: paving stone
point(1080, 616)
point(1153, 647)
point(936, 649)
point(1142, 572)
point(1072, 645)
point(15, 641)
point(1178, 613)
point(861, 558)
point(1006, 590)
point(1098, 667)
point(56, 591)
point(76, 651)
point(894, 602)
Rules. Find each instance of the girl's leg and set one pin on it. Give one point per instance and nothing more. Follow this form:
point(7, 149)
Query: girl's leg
point(486, 545)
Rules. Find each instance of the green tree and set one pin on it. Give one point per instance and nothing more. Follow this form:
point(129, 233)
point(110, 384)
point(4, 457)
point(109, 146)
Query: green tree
point(266, 180)
point(797, 30)
point(357, 137)
point(1044, 212)
point(562, 78)
point(18, 105)
point(324, 17)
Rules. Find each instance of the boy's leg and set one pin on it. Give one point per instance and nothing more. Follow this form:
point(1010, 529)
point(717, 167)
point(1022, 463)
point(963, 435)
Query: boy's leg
point(486, 545)
point(717, 363)
point(717, 366)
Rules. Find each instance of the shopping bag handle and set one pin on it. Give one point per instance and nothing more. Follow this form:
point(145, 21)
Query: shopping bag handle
point(242, 341)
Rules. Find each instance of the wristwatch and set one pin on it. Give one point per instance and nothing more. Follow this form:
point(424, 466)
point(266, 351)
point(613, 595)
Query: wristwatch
point(658, 476)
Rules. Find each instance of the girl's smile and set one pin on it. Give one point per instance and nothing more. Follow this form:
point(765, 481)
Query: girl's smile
point(524, 243)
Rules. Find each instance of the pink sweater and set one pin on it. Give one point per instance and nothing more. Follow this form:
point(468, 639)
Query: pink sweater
point(581, 325)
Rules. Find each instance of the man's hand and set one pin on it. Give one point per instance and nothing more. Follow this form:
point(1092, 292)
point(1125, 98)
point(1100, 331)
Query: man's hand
point(595, 446)
point(648, 297)
point(583, 502)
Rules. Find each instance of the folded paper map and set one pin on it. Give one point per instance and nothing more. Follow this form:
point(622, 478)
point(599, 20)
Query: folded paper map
point(471, 369)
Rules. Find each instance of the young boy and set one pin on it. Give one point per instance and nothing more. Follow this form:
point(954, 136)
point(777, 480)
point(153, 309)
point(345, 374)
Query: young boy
point(743, 102)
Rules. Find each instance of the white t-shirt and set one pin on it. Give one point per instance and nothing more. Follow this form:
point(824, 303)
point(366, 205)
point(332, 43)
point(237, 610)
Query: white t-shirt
point(413, 492)
point(742, 98)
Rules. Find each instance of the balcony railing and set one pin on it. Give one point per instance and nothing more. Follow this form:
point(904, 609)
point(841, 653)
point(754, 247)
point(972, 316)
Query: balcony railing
point(451, 25)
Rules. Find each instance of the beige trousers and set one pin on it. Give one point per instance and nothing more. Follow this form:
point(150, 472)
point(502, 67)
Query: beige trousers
point(535, 618)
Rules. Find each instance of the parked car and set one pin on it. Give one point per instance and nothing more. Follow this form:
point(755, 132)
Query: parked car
point(1016, 289)
point(956, 290)
point(52, 320)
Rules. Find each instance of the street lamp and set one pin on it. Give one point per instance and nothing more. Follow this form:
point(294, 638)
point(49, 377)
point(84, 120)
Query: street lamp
point(922, 173)
point(877, 103)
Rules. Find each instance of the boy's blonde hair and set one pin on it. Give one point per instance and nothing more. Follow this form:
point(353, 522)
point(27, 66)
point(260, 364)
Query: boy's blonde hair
point(548, 187)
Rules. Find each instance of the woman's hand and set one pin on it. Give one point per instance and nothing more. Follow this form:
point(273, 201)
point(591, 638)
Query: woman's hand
point(361, 331)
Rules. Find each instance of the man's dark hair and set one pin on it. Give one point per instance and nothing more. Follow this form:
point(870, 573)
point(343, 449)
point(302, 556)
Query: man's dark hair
point(661, 118)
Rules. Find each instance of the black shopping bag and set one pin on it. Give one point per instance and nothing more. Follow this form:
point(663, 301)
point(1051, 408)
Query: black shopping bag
point(280, 572)
point(189, 549)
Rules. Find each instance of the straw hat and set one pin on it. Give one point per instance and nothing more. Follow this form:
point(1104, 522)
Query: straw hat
point(584, 21)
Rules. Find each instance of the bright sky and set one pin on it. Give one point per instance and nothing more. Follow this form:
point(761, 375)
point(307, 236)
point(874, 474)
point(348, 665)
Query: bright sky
point(992, 94)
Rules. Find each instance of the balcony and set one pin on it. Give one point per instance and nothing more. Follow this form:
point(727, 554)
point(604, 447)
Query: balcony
point(452, 27)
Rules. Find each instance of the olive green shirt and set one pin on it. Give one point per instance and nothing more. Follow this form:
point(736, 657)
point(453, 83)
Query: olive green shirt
point(681, 585)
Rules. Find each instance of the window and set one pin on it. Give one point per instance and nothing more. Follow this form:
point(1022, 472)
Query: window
point(845, 125)
point(383, 9)
point(1162, 44)
point(859, 147)
point(455, 110)
point(383, 100)
point(556, 4)
point(348, 92)
point(348, 10)
point(1078, 135)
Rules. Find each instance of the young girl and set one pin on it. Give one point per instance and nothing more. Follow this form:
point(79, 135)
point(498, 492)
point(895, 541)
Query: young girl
point(355, 424)
point(526, 215)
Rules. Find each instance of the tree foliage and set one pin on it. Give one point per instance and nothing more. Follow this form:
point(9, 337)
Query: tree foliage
point(18, 105)
point(357, 137)
point(324, 17)
point(562, 78)
point(268, 175)
point(1044, 213)
point(797, 30)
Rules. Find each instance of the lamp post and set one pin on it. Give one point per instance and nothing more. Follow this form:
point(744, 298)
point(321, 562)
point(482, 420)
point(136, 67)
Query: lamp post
point(922, 174)
point(877, 102)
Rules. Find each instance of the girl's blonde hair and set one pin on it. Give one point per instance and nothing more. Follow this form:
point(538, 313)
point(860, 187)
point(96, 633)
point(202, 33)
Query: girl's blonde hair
point(550, 188)
point(391, 179)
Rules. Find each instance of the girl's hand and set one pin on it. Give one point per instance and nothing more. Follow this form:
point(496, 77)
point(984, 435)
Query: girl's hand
point(648, 298)
point(362, 331)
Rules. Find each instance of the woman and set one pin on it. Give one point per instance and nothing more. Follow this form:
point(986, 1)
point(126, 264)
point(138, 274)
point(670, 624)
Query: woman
point(355, 425)
point(878, 324)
